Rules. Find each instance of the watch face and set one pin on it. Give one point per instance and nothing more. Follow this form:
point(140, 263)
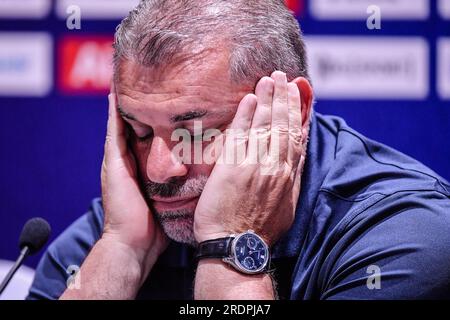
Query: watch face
point(251, 253)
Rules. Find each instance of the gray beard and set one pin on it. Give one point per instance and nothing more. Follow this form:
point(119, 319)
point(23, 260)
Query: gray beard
point(178, 225)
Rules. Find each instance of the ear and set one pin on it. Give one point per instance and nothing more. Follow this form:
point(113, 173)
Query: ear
point(306, 97)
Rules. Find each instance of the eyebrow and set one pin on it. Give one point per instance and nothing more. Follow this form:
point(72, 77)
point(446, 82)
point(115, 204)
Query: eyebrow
point(190, 115)
point(125, 114)
point(194, 114)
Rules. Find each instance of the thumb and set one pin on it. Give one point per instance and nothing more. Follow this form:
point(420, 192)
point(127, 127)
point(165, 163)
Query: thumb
point(115, 143)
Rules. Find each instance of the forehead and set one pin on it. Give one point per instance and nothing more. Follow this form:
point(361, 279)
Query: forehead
point(201, 84)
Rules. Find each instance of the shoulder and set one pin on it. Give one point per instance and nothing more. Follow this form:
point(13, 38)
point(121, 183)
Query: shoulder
point(361, 166)
point(377, 207)
point(363, 174)
point(66, 253)
point(404, 237)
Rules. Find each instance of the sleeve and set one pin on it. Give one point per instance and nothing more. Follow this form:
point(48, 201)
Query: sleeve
point(66, 254)
point(397, 249)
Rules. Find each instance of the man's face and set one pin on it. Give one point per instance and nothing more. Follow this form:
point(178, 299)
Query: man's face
point(154, 104)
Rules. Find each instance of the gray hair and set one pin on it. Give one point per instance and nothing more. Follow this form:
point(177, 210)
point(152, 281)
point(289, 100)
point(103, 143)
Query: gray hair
point(260, 36)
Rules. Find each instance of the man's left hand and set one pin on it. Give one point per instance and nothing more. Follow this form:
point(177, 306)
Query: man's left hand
point(259, 191)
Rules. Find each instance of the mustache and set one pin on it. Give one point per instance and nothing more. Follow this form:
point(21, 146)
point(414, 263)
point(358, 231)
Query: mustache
point(176, 187)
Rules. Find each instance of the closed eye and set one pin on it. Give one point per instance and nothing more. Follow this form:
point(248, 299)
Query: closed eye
point(141, 133)
point(145, 137)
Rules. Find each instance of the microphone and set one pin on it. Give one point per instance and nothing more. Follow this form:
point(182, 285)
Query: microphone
point(33, 237)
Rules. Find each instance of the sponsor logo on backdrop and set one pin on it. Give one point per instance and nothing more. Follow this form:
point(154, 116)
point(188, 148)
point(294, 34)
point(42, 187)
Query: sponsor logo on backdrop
point(26, 64)
point(30, 9)
point(443, 68)
point(444, 8)
point(357, 9)
point(85, 64)
point(97, 9)
point(367, 67)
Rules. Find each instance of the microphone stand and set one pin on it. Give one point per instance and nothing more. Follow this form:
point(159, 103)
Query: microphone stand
point(23, 254)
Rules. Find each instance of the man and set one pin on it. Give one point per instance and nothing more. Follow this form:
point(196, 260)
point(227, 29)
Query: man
point(367, 223)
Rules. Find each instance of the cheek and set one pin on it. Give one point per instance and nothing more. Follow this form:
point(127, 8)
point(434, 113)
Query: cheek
point(196, 170)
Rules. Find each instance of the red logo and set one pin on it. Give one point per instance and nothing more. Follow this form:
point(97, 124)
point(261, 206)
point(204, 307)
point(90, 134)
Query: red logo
point(85, 64)
point(295, 5)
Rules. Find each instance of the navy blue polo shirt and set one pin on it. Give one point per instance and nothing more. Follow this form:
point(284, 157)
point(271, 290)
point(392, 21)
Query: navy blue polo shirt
point(371, 223)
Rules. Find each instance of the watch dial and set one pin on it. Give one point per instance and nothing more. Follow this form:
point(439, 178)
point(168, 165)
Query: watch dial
point(251, 252)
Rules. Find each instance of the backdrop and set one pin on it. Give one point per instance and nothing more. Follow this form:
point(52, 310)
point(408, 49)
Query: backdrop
point(389, 78)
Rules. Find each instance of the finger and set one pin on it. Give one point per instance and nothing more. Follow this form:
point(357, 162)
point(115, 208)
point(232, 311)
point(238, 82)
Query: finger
point(260, 130)
point(263, 113)
point(237, 133)
point(112, 87)
point(244, 114)
point(115, 144)
point(280, 118)
point(295, 126)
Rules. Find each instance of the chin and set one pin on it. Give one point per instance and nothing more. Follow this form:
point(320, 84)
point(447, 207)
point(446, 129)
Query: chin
point(179, 229)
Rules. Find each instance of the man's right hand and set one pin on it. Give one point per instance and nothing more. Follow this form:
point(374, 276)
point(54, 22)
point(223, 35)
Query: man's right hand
point(132, 240)
point(128, 219)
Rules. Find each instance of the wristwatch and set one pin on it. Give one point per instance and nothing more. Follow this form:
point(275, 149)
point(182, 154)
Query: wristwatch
point(246, 252)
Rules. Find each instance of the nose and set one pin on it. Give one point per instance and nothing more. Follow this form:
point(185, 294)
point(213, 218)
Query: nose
point(162, 164)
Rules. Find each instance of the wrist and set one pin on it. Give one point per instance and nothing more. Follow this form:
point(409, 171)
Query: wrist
point(218, 280)
point(211, 236)
point(139, 261)
point(246, 252)
point(110, 271)
point(202, 234)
